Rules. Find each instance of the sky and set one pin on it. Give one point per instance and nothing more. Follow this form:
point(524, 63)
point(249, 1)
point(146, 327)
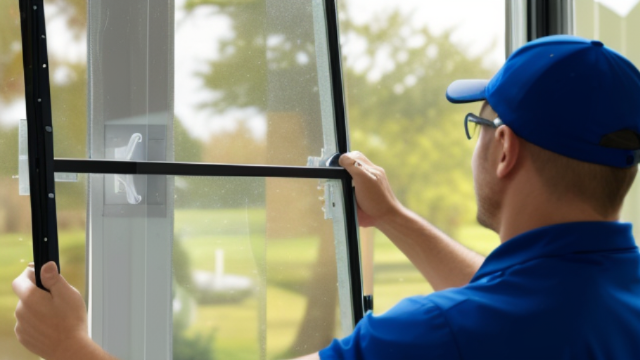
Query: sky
point(478, 24)
point(478, 27)
point(620, 7)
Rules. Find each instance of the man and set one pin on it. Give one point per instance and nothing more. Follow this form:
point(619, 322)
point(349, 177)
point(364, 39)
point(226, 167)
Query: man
point(558, 149)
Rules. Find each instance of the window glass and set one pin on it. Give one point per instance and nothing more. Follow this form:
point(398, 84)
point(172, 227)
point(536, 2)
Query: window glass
point(66, 22)
point(205, 81)
point(255, 88)
point(399, 58)
point(256, 268)
point(256, 262)
point(15, 210)
point(16, 242)
point(616, 24)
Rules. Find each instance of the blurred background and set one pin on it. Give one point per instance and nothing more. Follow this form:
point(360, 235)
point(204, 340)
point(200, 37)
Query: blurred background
point(398, 58)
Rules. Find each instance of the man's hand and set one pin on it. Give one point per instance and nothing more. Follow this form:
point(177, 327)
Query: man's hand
point(374, 196)
point(52, 324)
point(441, 260)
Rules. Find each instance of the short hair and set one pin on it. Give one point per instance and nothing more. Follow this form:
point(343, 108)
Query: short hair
point(600, 186)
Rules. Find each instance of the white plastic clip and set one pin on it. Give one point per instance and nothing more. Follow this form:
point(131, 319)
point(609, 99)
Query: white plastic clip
point(125, 182)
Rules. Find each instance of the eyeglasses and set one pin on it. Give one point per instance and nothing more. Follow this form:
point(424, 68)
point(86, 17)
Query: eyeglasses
point(477, 120)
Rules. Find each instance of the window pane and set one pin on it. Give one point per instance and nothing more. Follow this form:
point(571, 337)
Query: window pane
point(66, 22)
point(200, 81)
point(399, 58)
point(15, 210)
point(250, 270)
point(16, 241)
point(617, 25)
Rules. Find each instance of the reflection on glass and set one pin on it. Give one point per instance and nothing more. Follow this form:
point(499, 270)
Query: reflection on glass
point(254, 269)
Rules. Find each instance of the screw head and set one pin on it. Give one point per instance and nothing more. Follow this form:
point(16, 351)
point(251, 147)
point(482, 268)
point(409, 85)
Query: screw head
point(35, 7)
point(48, 128)
point(44, 65)
point(51, 196)
point(45, 239)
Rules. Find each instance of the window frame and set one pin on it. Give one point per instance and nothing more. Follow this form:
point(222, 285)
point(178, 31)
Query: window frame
point(549, 17)
point(40, 127)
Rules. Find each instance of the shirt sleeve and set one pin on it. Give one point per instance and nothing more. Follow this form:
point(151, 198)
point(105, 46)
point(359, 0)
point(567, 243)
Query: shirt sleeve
point(413, 329)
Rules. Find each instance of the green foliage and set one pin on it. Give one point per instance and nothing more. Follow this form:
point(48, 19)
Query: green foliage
point(239, 77)
point(11, 77)
point(9, 153)
point(395, 87)
point(197, 347)
point(400, 118)
point(187, 148)
point(194, 347)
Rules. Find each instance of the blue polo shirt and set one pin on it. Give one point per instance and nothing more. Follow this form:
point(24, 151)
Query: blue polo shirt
point(567, 291)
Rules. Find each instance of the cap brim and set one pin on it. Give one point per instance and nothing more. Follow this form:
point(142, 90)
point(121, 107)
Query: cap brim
point(466, 91)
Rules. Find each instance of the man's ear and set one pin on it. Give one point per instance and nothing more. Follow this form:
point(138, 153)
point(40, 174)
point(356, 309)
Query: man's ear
point(509, 151)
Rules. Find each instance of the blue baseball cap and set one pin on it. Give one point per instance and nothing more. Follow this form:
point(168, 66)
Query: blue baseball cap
point(569, 95)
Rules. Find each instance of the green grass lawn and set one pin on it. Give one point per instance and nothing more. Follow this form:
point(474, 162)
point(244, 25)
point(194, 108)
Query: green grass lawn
point(396, 278)
point(16, 253)
point(241, 234)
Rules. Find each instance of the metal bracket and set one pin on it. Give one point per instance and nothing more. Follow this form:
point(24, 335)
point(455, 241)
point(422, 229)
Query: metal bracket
point(23, 163)
point(326, 161)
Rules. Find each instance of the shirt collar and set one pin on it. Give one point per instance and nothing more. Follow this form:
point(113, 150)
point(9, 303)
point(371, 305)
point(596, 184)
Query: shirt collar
point(555, 240)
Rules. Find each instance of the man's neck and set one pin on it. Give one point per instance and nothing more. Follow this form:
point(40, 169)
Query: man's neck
point(528, 210)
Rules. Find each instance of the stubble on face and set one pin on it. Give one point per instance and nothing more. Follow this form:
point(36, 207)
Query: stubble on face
point(487, 198)
point(487, 188)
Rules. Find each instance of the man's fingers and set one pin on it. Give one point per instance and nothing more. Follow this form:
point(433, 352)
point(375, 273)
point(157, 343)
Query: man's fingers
point(357, 155)
point(348, 162)
point(374, 172)
point(23, 284)
point(31, 275)
point(353, 166)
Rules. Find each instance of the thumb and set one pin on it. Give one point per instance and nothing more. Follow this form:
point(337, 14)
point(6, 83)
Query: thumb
point(51, 279)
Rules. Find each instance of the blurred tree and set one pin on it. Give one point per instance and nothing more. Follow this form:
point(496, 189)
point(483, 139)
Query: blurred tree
point(398, 114)
point(69, 104)
point(399, 117)
point(11, 78)
point(237, 146)
point(395, 89)
point(186, 147)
